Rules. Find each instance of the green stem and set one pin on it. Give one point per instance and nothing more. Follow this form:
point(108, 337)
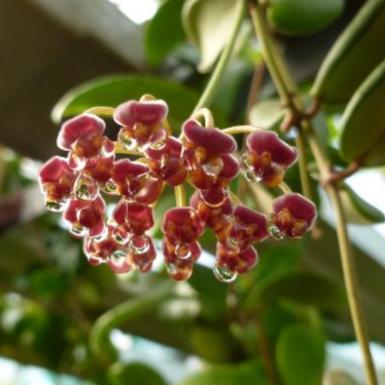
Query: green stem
point(180, 196)
point(284, 83)
point(211, 87)
point(100, 343)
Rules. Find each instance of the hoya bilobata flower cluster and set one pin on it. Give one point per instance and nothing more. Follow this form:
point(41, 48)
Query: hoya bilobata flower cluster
point(204, 157)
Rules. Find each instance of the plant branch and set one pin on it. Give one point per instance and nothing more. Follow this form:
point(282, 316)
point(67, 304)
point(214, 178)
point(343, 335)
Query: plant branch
point(100, 343)
point(180, 196)
point(212, 85)
point(284, 83)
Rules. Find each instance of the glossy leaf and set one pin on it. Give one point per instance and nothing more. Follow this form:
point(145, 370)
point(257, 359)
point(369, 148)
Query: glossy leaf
point(303, 17)
point(305, 288)
point(123, 374)
point(209, 24)
point(363, 122)
point(354, 55)
point(267, 114)
point(357, 210)
point(164, 32)
point(113, 90)
point(300, 355)
point(338, 377)
point(247, 373)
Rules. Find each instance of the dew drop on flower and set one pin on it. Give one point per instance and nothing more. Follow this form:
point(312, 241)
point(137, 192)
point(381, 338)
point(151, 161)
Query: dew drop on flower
point(213, 167)
point(119, 235)
point(139, 244)
point(109, 187)
point(182, 251)
point(55, 206)
point(118, 258)
point(86, 188)
point(275, 232)
point(77, 230)
point(126, 140)
point(224, 274)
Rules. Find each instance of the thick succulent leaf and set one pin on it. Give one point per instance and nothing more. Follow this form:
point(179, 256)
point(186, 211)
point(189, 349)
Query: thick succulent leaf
point(303, 17)
point(305, 288)
point(164, 32)
point(121, 374)
point(209, 24)
point(354, 55)
point(300, 355)
point(113, 90)
point(363, 122)
point(357, 210)
point(338, 377)
point(267, 114)
point(247, 373)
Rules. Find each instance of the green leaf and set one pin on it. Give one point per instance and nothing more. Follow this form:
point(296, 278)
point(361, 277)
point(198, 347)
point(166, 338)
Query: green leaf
point(303, 287)
point(164, 31)
point(267, 114)
point(246, 373)
point(338, 377)
point(303, 17)
point(354, 55)
point(363, 122)
point(358, 210)
point(212, 293)
point(124, 374)
point(209, 24)
point(113, 90)
point(300, 355)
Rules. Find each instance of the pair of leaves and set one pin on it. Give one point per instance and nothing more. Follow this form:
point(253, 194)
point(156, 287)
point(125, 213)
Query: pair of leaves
point(303, 17)
point(355, 69)
point(300, 355)
point(209, 24)
point(305, 288)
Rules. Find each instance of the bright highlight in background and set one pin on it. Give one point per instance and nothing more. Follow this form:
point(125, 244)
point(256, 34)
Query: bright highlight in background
point(137, 11)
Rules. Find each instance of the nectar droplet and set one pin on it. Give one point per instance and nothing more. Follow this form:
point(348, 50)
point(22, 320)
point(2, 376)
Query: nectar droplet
point(127, 141)
point(55, 206)
point(224, 274)
point(86, 188)
point(78, 230)
point(139, 244)
point(182, 251)
point(275, 232)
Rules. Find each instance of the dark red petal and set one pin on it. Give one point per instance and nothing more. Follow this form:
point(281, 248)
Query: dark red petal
point(299, 207)
point(54, 169)
point(100, 169)
point(268, 141)
point(212, 139)
point(182, 224)
point(146, 112)
point(139, 217)
point(230, 167)
point(172, 147)
point(84, 126)
point(248, 217)
point(125, 168)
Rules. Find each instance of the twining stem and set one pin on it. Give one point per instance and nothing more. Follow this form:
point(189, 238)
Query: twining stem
point(101, 111)
point(180, 196)
point(100, 343)
point(212, 85)
point(242, 129)
point(207, 116)
point(289, 96)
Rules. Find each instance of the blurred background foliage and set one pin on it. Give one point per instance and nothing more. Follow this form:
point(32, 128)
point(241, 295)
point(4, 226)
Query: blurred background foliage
point(283, 323)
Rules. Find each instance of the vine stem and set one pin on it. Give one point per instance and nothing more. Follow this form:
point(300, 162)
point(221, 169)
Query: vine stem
point(289, 96)
point(212, 85)
point(100, 343)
